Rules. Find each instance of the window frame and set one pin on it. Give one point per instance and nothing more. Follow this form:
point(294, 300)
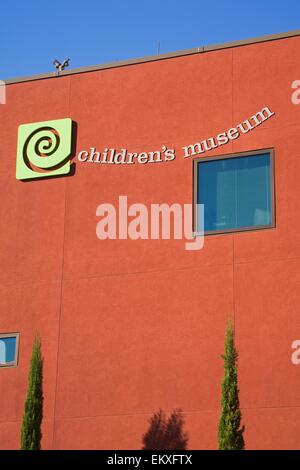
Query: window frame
point(249, 153)
point(17, 336)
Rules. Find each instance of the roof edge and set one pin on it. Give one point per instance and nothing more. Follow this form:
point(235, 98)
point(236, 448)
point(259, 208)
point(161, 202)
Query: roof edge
point(152, 58)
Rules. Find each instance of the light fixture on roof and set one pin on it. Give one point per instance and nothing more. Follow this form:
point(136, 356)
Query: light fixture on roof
point(60, 66)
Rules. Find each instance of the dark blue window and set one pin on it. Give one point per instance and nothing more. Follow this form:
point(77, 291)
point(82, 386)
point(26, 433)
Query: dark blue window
point(236, 192)
point(8, 350)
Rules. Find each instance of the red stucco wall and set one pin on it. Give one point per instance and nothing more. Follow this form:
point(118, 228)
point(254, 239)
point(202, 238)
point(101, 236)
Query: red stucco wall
point(131, 326)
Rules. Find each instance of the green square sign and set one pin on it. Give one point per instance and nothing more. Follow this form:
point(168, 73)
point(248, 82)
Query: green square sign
point(44, 149)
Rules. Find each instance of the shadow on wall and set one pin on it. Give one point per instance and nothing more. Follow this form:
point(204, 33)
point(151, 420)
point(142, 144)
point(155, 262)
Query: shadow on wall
point(165, 434)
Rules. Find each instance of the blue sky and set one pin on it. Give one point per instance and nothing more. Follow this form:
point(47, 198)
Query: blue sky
point(33, 33)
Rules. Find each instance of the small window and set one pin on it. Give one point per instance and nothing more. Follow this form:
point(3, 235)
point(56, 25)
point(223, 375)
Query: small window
point(237, 191)
point(9, 344)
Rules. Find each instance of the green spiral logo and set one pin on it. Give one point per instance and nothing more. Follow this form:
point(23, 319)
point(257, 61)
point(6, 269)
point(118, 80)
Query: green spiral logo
point(44, 149)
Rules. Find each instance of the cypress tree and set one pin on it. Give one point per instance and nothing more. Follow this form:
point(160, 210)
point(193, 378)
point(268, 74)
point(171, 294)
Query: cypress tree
point(33, 413)
point(230, 430)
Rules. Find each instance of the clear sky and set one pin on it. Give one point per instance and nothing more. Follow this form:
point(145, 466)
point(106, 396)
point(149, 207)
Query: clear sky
point(35, 32)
